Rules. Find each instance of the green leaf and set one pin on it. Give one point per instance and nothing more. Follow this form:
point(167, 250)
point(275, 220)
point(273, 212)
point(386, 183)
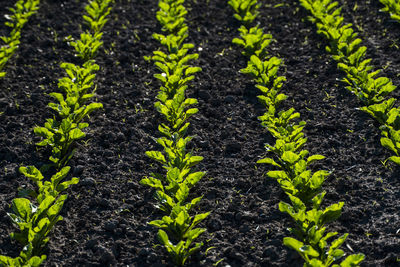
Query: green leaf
point(91, 107)
point(163, 237)
point(158, 223)
point(157, 156)
point(337, 254)
point(277, 174)
point(181, 218)
point(76, 134)
point(182, 193)
point(32, 173)
point(314, 158)
point(65, 185)
point(66, 125)
point(318, 179)
point(386, 142)
point(317, 200)
point(191, 112)
point(43, 132)
point(193, 234)
point(194, 160)
point(353, 260)
point(199, 217)
point(46, 203)
point(55, 209)
point(193, 178)
point(192, 70)
point(395, 159)
point(257, 62)
point(297, 203)
point(152, 182)
point(331, 213)
point(300, 247)
point(309, 250)
point(338, 242)
point(22, 208)
point(56, 178)
point(290, 157)
point(269, 161)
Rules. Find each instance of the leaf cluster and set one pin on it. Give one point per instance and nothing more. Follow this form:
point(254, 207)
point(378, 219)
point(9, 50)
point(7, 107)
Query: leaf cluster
point(392, 7)
point(171, 16)
point(71, 108)
point(90, 41)
point(302, 185)
point(389, 118)
point(361, 78)
point(36, 219)
point(254, 41)
point(177, 229)
point(245, 10)
point(20, 14)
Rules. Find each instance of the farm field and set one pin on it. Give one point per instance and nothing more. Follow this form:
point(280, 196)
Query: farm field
point(106, 216)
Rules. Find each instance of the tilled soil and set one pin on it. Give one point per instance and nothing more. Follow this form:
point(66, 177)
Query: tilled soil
point(106, 214)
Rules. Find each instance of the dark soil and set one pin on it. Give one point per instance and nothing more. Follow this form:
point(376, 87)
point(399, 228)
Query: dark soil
point(106, 215)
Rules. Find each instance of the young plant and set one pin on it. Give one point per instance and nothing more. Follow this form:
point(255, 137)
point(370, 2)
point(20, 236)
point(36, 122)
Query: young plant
point(36, 212)
point(177, 229)
point(392, 7)
point(245, 11)
point(302, 186)
point(61, 134)
point(365, 82)
point(36, 219)
point(21, 12)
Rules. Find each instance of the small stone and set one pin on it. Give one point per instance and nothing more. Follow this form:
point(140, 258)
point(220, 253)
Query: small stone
point(204, 95)
point(270, 252)
point(120, 137)
point(144, 252)
point(78, 170)
point(88, 181)
point(233, 148)
point(105, 254)
point(214, 225)
point(152, 257)
point(238, 216)
point(229, 99)
point(236, 256)
point(105, 203)
point(3, 102)
point(91, 243)
point(111, 225)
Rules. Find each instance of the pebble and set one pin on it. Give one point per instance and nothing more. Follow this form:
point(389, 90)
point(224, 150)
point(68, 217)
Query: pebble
point(111, 225)
point(78, 170)
point(88, 181)
point(105, 254)
point(229, 99)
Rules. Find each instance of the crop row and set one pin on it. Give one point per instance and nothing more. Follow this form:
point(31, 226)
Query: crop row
point(21, 12)
point(367, 84)
point(36, 211)
point(177, 229)
point(302, 186)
